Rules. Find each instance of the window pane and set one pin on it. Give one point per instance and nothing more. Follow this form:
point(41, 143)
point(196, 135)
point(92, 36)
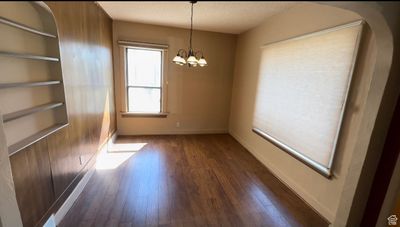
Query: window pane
point(146, 100)
point(144, 67)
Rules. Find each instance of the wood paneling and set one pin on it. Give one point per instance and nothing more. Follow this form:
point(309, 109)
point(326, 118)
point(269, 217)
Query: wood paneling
point(61, 157)
point(190, 180)
point(43, 171)
point(33, 182)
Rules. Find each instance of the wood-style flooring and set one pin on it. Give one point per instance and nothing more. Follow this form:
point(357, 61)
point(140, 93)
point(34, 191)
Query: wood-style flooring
point(186, 180)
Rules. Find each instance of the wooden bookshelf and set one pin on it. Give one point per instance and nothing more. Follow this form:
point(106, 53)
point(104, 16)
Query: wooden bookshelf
point(38, 65)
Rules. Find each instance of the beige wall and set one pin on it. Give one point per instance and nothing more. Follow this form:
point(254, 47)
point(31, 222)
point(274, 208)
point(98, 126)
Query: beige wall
point(321, 193)
point(197, 98)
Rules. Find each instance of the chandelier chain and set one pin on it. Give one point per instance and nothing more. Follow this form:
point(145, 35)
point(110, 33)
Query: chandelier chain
point(191, 26)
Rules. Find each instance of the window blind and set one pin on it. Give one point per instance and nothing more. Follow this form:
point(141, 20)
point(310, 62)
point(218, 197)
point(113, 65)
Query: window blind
point(302, 91)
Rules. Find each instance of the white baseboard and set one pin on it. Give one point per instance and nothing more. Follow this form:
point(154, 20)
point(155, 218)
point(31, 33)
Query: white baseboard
point(174, 132)
point(60, 214)
point(304, 195)
point(51, 222)
point(69, 202)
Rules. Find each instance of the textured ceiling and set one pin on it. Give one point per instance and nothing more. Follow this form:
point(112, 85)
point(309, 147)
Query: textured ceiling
point(226, 17)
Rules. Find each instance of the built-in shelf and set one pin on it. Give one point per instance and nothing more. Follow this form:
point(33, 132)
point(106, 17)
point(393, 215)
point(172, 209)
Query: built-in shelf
point(25, 112)
point(27, 56)
point(14, 148)
point(25, 27)
point(29, 84)
point(22, 43)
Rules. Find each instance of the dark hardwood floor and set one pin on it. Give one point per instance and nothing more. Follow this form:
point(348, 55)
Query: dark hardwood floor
point(188, 180)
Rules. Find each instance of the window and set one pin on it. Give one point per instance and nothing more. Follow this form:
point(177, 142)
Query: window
point(144, 80)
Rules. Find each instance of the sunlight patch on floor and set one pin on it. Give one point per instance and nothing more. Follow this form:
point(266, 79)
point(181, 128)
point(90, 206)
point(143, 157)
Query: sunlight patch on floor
point(117, 154)
point(126, 147)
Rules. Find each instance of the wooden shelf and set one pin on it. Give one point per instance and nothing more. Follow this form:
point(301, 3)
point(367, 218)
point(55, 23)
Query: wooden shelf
point(14, 148)
point(28, 56)
point(21, 128)
point(25, 112)
point(29, 84)
point(24, 27)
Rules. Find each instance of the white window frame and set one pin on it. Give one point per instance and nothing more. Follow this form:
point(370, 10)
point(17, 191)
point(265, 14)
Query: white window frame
point(124, 46)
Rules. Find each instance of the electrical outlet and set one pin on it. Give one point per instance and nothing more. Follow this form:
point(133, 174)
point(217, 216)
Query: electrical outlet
point(178, 124)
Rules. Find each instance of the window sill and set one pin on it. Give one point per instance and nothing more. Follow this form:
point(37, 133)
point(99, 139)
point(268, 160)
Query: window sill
point(155, 115)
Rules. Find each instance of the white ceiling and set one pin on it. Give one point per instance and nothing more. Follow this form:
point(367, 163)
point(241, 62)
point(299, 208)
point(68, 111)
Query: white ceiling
point(226, 17)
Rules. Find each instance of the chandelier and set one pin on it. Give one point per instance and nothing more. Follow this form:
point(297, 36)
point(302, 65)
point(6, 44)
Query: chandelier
point(191, 56)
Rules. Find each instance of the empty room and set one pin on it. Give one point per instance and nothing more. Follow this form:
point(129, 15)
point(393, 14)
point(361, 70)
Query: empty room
point(199, 113)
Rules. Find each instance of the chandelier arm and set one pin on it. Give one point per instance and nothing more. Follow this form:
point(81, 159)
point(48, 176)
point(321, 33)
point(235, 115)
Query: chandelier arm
point(198, 52)
point(182, 53)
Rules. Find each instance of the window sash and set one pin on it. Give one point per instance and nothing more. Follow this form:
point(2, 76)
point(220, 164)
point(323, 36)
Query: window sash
point(149, 88)
point(145, 87)
point(143, 49)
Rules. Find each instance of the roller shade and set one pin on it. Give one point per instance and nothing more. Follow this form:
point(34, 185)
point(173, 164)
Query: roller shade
point(302, 91)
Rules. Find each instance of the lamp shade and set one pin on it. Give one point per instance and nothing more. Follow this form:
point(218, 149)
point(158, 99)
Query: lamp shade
point(179, 60)
point(202, 62)
point(182, 61)
point(192, 60)
point(176, 59)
